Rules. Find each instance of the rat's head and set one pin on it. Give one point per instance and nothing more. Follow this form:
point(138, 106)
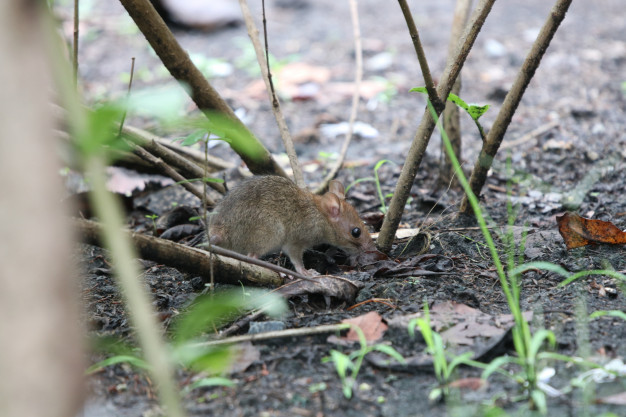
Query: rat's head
point(348, 231)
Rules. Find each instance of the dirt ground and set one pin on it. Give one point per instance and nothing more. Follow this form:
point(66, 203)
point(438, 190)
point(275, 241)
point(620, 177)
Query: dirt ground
point(577, 100)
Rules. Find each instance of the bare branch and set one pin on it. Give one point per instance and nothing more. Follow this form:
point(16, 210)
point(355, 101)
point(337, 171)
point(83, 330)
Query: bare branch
point(253, 33)
point(451, 113)
point(421, 57)
point(427, 125)
point(178, 63)
point(147, 141)
point(185, 258)
point(527, 71)
point(170, 172)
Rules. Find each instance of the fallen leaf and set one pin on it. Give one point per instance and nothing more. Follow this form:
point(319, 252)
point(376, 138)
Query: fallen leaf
point(246, 354)
point(325, 285)
point(578, 231)
point(615, 399)
point(302, 73)
point(487, 336)
point(371, 324)
point(407, 268)
point(473, 384)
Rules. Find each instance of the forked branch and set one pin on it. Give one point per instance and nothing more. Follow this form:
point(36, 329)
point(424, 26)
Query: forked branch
point(527, 71)
point(427, 125)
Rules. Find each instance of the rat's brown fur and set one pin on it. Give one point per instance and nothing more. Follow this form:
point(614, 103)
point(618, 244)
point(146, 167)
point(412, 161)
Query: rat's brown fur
point(266, 214)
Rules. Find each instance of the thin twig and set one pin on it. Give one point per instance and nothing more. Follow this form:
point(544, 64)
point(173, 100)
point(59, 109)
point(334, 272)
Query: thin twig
point(75, 46)
point(533, 134)
point(505, 115)
point(426, 127)
point(149, 142)
point(179, 64)
point(148, 157)
point(130, 84)
point(356, 97)
point(170, 172)
point(213, 162)
point(205, 202)
point(303, 331)
point(253, 33)
point(421, 56)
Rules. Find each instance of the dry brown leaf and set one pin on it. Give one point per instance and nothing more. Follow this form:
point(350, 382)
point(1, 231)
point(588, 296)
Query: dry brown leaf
point(578, 231)
point(325, 285)
point(473, 384)
point(371, 324)
point(246, 354)
point(615, 399)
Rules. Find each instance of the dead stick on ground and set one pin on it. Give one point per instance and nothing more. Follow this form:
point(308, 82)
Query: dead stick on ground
point(533, 134)
point(304, 331)
point(253, 33)
point(356, 97)
point(505, 115)
point(185, 258)
point(196, 260)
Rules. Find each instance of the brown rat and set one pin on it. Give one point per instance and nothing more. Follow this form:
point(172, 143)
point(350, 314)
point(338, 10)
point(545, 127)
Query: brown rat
point(269, 213)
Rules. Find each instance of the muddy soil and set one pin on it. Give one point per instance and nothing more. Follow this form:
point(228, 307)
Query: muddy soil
point(577, 99)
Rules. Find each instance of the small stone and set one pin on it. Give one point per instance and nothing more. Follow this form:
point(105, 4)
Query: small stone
point(265, 326)
point(598, 129)
point(592, 155)
point(379, 62)
point(494, 48)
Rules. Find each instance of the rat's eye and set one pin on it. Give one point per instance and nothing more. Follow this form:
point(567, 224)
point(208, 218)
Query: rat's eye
point(356, 232)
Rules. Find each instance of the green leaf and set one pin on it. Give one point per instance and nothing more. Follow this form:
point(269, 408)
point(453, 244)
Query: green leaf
point(614, 313)
point(212, 382)
point(435, 394)
point(208, 312)
point(201, 358)
point(496, 364)
point(458, 101)
point(114, 360)
point(342, 363)
point(459, 360)
point(537, 340)
point(100, 134)
point(581, 274)
point(355, 182)
point(494, 411)
point(347, 391)
point(165, 103)
point(546, 266)
point(411, 329)
point(539, 398)
point(389, 351)
point(381, 163)
point(194, 137)
point(476, 111)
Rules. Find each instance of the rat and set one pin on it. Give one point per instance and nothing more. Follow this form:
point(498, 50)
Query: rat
point(266, 214)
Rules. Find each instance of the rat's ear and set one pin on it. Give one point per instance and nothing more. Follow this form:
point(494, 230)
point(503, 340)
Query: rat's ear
point(331, 204)
point(336, 187)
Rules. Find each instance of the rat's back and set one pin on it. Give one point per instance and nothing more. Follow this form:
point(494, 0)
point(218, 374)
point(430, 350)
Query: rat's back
point(254, 217)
